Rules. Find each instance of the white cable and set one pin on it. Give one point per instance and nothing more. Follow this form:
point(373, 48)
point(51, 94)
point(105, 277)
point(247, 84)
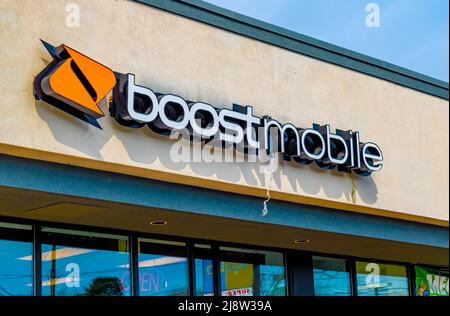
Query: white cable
point(271, 169)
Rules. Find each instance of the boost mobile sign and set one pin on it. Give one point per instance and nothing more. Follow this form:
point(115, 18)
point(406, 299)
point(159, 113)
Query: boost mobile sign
point(77, 84)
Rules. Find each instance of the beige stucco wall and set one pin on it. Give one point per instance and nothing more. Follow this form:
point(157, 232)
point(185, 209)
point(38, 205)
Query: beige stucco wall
point(176, 55)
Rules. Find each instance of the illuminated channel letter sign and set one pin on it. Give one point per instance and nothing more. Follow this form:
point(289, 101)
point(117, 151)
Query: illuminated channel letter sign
point(76, 84)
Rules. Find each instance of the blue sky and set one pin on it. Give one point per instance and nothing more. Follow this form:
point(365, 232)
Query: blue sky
point(413, 33)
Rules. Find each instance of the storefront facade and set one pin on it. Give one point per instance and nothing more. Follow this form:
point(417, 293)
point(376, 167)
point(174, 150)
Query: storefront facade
point(97, 199)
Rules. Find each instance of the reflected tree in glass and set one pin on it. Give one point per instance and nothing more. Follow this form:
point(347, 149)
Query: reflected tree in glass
point(104, 286)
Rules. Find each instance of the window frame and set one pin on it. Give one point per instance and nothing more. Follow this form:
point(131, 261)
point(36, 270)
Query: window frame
point(190, 243)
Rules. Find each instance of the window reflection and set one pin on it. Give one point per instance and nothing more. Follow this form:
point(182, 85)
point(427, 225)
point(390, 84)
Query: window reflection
point(246, 272)
point(331, 277)
point(84, 263)
point(163, 268)
point(16, 265)
point(95, 264)
point(203, 270)
point(376, 279)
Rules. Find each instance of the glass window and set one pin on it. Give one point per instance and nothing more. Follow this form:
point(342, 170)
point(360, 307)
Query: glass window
point(16, 261)
point(246, 272)
point(431, 281)
point(377, 279)
point(331, 277)
point(84, 264)
point(163, 268)
point(204, 279)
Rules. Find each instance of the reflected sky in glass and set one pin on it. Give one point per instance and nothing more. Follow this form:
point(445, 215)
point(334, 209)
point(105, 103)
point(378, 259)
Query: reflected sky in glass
point(15, 273)
point(331, 277)
point(68, 271)
point(377, 279)
point(163, 275)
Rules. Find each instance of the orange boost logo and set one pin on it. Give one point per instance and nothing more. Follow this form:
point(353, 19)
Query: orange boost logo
point(74, 83)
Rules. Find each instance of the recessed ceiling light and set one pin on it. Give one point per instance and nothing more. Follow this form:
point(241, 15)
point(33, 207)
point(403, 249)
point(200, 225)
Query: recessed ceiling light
point(302, 241)
point(158, 223)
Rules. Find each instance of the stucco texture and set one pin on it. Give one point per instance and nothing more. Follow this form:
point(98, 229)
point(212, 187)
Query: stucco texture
point(172, 54)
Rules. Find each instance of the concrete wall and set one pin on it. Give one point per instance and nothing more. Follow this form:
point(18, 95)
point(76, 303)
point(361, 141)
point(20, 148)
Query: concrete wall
point(176, 55)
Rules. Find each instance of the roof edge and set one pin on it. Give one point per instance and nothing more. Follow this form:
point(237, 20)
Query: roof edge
point(271, 34)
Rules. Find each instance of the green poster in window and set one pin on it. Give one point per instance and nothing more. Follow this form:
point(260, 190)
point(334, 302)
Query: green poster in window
point(431, 282)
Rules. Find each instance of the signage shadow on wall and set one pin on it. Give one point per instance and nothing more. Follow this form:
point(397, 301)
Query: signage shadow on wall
point(72, 132)
point(310, 179)
point(143, 145)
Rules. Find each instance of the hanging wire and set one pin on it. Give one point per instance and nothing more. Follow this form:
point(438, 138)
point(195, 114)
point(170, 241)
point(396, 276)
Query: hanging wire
point(271, 169)
point(354, 187)
point(265, 210)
